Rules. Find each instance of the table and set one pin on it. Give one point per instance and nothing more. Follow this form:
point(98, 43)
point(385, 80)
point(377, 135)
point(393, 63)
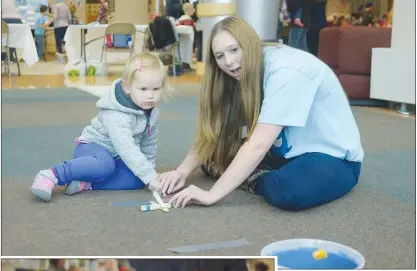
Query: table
point(20, 37)
point(77, 38)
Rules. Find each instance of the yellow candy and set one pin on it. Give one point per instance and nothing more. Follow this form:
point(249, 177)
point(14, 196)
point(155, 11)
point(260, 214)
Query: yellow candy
point(320, 254)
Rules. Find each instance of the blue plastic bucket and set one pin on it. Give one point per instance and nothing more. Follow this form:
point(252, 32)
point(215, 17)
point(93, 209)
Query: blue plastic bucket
point(297, 254)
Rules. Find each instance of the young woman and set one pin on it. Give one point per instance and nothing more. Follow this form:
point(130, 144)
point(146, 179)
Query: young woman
point(303, 147)
point(62, 18)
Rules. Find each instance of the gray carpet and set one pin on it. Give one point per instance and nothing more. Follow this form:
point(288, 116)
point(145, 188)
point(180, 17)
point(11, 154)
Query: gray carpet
point(38, 129)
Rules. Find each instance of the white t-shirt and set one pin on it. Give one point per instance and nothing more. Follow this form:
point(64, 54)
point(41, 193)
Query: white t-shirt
point(303, 94)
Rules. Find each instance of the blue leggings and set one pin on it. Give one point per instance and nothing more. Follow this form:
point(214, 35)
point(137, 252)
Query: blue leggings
point(93, 163)
point(306, 181)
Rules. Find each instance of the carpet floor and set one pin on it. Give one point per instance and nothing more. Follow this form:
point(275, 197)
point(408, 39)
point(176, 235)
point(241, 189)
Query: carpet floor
point(38, 130)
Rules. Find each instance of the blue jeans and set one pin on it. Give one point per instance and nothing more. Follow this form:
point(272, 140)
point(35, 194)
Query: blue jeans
point(93, 163)
point(59, 37)
point(40, 41)
point(297, 38)
point(306, 181)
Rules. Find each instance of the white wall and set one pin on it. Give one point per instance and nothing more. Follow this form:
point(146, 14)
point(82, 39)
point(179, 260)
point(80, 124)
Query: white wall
point(403, 25)
point(393, 69)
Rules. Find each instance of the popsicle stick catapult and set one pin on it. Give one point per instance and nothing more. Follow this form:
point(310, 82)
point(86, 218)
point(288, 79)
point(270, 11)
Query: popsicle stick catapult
point(151, 206)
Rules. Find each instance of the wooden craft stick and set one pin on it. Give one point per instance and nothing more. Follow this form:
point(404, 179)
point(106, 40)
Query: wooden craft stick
point(160, 201)
point(152, 207)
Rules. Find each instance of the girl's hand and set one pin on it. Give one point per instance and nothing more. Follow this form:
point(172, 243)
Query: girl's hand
point(192, 194)
point(155, 186)
point(171, 181)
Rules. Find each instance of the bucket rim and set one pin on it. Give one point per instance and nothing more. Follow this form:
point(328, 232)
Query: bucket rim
point(358, 257)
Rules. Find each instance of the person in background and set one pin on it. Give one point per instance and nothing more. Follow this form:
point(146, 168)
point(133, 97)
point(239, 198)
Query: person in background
point(368, 17)
point(174, 8)
point(355, 19)
point(10, 15)
point(187, 19)
point(198, 34)
point(384, 21)
point(62, 18)
point(28, 14)
point(390, 16)
point(42, 21)
point(74, 19)
point(103, 12)
point(341, 21)
point(318, 22)
point(298, 34)
point(295, 17)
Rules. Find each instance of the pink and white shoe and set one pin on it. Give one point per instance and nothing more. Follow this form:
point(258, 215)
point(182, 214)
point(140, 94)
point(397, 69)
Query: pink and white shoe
point(45, 181)
point(76, 187)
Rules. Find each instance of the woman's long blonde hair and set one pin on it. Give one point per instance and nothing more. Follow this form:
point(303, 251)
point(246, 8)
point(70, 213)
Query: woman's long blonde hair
point(225, 103)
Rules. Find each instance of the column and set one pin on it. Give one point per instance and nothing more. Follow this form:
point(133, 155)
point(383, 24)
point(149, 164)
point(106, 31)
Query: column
point(262, 15)
point(210, 12)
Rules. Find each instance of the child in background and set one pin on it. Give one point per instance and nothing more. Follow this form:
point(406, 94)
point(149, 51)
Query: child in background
point(117, 150)
point(296, 17)
point(187, 19)
point(74, 19)
point(41, 22)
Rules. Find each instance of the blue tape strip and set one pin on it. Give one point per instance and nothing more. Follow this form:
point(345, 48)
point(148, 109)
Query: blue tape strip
point(148, 207)
point(129, 203)
point(208, 246)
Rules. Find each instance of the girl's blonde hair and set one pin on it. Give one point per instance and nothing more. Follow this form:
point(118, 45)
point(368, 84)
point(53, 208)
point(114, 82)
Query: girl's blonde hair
point(148, 62)
point(226, 103)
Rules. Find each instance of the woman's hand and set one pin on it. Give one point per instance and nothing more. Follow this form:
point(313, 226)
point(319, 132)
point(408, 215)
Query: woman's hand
point(171, 181)
point(192, 194)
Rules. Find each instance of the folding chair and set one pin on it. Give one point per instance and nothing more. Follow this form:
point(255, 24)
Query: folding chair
point(119, 29)
point(5, 50)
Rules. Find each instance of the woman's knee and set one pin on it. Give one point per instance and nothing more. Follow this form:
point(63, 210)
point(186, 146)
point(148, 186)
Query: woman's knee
point(280, 192)
point(296, 195)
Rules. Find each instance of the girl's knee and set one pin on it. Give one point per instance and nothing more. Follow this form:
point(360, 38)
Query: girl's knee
point(108, 166)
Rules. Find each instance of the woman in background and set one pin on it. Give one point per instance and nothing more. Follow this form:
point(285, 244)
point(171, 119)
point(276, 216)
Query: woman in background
point(103, 12)
point(62, 18)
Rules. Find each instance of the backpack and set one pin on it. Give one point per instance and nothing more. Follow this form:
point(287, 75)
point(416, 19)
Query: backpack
point(162, 33)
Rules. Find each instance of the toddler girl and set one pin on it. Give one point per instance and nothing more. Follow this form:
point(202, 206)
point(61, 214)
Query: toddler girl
point(187, 19)
point(117, 150)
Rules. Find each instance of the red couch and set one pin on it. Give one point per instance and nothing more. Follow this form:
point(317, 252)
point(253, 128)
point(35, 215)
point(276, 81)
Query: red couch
point(348, 51)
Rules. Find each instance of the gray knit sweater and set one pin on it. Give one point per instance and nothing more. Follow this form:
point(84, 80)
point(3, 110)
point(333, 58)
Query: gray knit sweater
point(126, 132)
